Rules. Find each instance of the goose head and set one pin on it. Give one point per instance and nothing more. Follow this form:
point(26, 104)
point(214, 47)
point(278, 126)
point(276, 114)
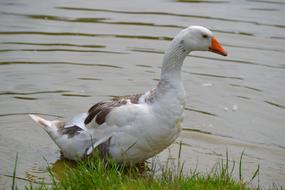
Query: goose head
point(198, 38)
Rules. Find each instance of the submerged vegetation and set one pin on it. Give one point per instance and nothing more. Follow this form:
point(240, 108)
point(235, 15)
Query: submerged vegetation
point(94, 173)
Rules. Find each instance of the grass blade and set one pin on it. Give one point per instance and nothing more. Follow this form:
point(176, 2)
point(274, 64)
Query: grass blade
point(240, 166)
point(255, 174)
point(14, 173)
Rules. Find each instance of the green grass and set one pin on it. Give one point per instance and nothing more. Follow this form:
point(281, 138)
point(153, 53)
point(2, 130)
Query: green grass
point(94, 173)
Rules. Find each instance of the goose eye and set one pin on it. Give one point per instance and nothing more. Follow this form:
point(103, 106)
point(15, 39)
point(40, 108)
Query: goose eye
point(205, 36)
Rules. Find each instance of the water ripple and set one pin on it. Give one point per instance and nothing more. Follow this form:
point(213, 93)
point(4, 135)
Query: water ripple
point(213, 75)
point(197, 131)
point(55, 44)
point(274, 104)
point(170, 14)
point(58, 63)
point(247, 87)
point(200, 111)
point(63, 50)
point(25, 98)
point(32, 93)
point(202, 1)
point(75, 95)
point(107, 21)
point(256, 48)
point(88, 78)
point(27, 113)
point(269, 2)
point(145, 50)
point(85, 34)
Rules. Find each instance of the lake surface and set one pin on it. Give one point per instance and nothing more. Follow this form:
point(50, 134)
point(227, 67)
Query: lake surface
point(57, 58)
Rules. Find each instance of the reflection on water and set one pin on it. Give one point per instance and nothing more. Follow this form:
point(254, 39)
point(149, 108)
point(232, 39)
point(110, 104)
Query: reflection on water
point(59, 167)
point(58, 58)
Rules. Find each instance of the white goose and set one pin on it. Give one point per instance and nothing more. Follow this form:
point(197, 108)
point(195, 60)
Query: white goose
point(137, 127)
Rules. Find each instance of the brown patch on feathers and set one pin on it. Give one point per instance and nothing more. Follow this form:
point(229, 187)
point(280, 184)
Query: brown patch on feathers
point(101, 110)
point(69, 131)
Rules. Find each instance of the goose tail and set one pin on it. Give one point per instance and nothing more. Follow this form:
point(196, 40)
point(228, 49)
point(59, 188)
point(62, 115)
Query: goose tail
point(41, 121)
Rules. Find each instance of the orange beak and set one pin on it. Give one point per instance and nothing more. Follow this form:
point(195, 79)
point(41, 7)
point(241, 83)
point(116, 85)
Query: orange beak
point(216, 47)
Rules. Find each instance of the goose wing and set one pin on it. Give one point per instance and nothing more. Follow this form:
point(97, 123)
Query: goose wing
point(112, 112)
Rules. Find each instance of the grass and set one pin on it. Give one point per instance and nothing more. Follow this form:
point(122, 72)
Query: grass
point(94, 173)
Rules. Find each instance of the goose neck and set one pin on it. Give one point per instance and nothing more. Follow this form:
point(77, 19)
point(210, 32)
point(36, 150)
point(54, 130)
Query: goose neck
point(173, 61)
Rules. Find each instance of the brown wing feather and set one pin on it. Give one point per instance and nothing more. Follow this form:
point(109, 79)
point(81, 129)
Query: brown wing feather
point(93, 111)
point(101, 116)
point(101, 109)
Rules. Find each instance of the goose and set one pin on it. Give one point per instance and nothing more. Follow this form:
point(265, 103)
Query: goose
point(134, 128)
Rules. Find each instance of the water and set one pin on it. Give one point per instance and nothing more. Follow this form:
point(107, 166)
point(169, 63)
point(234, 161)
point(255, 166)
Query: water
point(60, 57)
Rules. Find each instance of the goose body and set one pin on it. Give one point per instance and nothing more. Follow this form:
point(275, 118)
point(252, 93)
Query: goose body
point(137, 127)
